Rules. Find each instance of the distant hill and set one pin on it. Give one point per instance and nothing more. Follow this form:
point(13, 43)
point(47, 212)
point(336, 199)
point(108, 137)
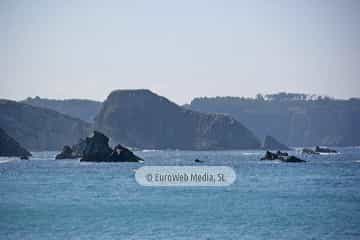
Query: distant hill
point(140, 118)
point(38, 128)
point(294, 119)
point(85, 110)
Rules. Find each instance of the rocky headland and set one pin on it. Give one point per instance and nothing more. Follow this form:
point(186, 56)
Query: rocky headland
point(39, 129)
point(142, 119)
point(9, 147)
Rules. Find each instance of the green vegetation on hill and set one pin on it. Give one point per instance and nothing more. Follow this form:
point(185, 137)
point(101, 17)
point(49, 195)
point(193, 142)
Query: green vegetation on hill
point(294, 119)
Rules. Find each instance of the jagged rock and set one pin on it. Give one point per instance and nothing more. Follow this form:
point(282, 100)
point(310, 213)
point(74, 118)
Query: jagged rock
point(122, 154)
point(270, 143)
point(97, 150)
point(79, 148)
point(142, 119)
point(66, 153)
point(282, 156)
point(269, 156)
point(324, 150)
point(9, 147)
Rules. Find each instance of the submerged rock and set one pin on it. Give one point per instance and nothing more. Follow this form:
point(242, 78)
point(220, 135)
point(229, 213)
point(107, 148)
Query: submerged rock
point(282, 156)
point(270, 143)
point(9, 147)
point(97, 150)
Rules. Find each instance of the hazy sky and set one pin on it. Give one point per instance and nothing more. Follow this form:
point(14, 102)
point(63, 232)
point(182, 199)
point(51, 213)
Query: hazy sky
point(179, 49)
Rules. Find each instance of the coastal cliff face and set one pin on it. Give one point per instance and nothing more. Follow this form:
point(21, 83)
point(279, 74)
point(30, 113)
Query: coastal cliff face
point(292, 118)
point(140, 118)
point(85, 110)
point(39, 129)
point(11, 148)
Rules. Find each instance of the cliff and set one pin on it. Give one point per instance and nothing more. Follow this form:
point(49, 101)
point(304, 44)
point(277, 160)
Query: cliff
point(11, 148)
point(40, 129)
point(293, 119)
point(140, 118)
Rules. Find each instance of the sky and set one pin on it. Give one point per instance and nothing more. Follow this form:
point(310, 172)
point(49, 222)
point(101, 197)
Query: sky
point(179, 49)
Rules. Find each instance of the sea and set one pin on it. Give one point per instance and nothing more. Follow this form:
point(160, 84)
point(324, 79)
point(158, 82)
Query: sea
point(47, 199)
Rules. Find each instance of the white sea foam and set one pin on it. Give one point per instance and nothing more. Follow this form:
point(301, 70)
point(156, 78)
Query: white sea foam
point(150, 150)
point(251, 153)
point(7, 160)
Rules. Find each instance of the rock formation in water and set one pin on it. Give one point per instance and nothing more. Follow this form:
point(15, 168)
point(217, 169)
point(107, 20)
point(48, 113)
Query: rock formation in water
point(85, 110)
point(9, 147)
point(293, 119)
point(66, 153)
point(281, 156)
point(324, 150)
point(308, 151)
point(40, 129)
point(97, 150)
point(270, 143)
point(142, 119)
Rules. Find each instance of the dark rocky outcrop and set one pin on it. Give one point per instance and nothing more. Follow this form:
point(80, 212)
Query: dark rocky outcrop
point(9, 147)
point(83, 109)
point(293, 119)
point(292, 159)
point(66, 153)
point(318, 150)
point(97, 150)
point(308, 151)
point(79, 148)
point(40, 129)
point(122, 154)
point(282, 156)
point(324, 150)
point(142, 119)
point(270, 143)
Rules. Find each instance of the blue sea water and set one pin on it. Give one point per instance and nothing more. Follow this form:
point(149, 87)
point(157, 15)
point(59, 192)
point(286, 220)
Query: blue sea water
point(65, 199)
